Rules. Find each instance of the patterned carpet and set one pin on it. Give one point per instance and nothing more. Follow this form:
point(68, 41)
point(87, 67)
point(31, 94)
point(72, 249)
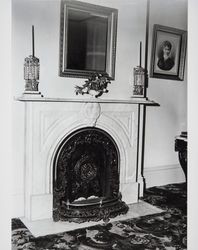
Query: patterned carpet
point(166, 230)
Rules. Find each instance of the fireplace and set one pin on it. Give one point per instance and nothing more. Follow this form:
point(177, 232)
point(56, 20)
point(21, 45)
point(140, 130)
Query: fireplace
point(82, 157)
point(86, 177)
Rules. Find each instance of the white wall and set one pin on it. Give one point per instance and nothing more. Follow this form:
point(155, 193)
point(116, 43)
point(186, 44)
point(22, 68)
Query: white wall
point(163, 122)
point(5, 124)
point(44, 14)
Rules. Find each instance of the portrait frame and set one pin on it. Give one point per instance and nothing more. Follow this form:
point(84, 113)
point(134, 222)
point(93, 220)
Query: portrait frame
point(176, 41)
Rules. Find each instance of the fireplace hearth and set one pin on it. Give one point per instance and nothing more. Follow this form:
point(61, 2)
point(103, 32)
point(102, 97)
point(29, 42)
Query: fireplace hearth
point(86, 177)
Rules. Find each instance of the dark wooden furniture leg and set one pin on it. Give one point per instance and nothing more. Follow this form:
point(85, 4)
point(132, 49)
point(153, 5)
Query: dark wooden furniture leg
point(181, 147)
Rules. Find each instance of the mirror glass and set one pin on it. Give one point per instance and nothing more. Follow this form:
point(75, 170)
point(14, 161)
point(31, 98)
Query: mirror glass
point(87, 39)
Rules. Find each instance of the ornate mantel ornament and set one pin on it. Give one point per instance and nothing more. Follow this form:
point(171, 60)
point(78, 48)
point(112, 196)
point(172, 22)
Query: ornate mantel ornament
point(139, 78)
point(96, 85)
point(31, 71)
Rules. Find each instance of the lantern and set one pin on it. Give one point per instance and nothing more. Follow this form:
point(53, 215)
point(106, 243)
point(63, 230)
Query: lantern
point(31, 71)
point(139, 81)
point(139, 78)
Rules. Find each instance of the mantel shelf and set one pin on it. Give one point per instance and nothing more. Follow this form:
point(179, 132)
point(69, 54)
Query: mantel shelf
point(31, 98)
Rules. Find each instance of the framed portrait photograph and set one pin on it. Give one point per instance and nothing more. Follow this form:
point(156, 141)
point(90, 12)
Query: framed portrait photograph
point(168, 53)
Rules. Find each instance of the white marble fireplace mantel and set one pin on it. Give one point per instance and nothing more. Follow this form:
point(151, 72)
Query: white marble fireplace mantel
point(48, 121)
point(31, 98)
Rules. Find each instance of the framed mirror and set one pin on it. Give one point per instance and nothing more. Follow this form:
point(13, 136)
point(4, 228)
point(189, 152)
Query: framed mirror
point(87, 39)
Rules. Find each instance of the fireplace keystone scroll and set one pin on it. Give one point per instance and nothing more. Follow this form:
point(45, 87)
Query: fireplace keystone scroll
point(90, 113)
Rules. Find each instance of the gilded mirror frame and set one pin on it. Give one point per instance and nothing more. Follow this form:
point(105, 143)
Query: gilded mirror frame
point(111, 14)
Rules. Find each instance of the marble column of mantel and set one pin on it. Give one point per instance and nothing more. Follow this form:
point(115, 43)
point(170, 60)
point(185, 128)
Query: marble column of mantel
point(86, 100)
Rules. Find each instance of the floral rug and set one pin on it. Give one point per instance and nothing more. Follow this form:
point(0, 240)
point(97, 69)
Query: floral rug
point(166, 230)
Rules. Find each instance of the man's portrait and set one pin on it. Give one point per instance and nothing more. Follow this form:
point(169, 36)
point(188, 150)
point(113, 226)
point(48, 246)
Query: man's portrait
point(168, 53)
point(166, 59)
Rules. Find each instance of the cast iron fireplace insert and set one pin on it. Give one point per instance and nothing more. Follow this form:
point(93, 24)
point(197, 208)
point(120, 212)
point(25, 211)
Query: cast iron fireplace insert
point(86, 177)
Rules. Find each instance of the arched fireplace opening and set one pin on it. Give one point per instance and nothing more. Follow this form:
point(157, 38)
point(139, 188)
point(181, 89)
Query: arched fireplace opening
point(86, 177)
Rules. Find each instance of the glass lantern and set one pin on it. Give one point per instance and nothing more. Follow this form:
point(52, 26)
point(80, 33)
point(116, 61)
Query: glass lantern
point(31, 73)
point(139, 81)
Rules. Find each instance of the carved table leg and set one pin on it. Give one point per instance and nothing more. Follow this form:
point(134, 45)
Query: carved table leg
point(181, 148)
point(183, 161)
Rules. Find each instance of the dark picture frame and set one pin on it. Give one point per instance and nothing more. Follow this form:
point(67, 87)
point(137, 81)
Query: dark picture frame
point(168, 53)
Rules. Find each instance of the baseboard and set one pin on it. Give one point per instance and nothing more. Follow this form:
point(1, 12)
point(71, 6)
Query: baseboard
point(17, 205)
point(162, 175)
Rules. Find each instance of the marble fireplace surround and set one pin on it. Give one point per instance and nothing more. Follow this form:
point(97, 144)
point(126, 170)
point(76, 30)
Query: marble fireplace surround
point(49, 120)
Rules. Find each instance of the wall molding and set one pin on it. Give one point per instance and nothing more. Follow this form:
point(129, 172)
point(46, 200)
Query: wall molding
point(162, 175)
